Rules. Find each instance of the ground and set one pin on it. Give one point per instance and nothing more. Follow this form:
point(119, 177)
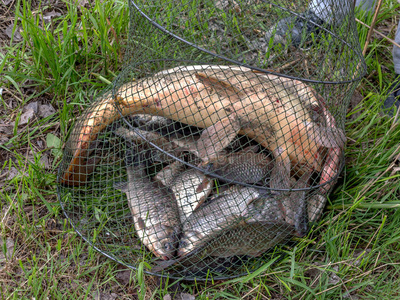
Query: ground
point(56, 56)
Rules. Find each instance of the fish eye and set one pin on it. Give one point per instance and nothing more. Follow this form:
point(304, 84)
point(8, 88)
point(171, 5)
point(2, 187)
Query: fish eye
point(168, 246)
point(183, 244)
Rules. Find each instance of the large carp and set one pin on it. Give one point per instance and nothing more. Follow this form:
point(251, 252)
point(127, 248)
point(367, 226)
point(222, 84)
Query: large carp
point(275, 111)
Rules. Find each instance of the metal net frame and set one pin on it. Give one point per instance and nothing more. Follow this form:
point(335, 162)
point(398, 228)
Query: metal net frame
point(220, 140)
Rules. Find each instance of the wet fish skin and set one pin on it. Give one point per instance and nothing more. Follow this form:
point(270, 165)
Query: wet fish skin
point(168, 173)
point(292, 204)
point(212, 140)
point(249, 238)
point(154, 210)
point(164, 126)
point(208, 221)
point(190, 187)
point(186, 189)
point(135, 136)
point(315, 207)
point(243, 166)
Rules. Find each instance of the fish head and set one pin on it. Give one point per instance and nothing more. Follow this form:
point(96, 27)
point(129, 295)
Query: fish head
point(188, 242)
point(163, 242)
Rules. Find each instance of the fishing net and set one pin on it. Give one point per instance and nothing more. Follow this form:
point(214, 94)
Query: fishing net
point(220, 140)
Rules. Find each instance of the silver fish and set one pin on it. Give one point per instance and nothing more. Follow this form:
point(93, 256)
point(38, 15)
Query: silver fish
point(154, 210)
point(208, 221)
point(251, 239)
point(315, 207)
point(190, 187)
point(142, 137)
point(292, 203)
point(243, 166)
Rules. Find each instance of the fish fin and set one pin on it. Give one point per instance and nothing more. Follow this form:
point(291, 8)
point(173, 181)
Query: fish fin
point(168, 174)
point(203, 185)
point(329, 137)
point(251, 149)
point(122, 186)
point(186, 144)
point(221, 87)
point(280, 174)
point(218, 136)
point(199, 203)
point(124, 133)
point(164, 264)
point(140, 223)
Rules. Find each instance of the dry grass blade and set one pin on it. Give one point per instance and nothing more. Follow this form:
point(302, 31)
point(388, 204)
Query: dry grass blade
point(378, 6)
point(379, 33)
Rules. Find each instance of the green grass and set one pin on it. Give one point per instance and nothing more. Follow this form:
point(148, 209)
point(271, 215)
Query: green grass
point(352, 253)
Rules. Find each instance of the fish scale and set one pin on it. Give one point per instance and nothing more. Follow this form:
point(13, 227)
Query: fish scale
point(154, 210)
point(190, 187)
point(243, 166)
point(212, 219)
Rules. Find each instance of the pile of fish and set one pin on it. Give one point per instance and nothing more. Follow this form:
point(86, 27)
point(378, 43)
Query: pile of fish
point(180, 210)
point(214, 185)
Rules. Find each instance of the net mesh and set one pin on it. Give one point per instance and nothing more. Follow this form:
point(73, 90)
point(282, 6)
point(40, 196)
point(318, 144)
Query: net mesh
point(220, 139)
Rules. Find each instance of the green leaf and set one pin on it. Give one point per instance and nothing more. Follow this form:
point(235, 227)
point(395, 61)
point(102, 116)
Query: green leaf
point(55, 143)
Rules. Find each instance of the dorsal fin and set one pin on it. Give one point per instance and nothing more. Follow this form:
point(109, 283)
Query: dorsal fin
point(329, 137)
point(217, 137)
point(221, 87)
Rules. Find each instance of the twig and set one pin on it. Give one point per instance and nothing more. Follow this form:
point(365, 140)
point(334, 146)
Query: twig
point(372, 26)
point(379, 33)
point(288, 65)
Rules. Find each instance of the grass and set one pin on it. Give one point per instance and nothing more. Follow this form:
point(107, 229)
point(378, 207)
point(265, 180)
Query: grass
point(67, 60)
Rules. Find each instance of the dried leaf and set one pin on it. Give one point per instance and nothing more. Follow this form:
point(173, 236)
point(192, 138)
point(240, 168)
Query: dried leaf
point(51, 14)
point(9, 33)
point(33, 105)
point(6, 2)
point(44, 160)
point(185, 296)
point(82, 3)
point(26, 116)
point(167, 297)
point(46, 110)
point(123, 277)
point(12, 173)
point(9, 247)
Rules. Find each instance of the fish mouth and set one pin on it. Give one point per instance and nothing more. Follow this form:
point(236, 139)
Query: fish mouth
point(163, 256)
point(182, 253)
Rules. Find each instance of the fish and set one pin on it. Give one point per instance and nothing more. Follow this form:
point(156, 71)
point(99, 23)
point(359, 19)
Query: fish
point(190, 187)
point(212, 141)
point(210, 220)
point(249, 238)
point(154, 209)
point(164, 126)
point(315, 207)
point(242, 166)
point(292, 203)
point(146, 139)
